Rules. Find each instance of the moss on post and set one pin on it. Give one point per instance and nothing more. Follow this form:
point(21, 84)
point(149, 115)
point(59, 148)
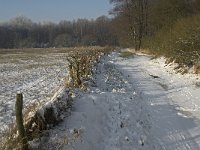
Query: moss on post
point(19, 121)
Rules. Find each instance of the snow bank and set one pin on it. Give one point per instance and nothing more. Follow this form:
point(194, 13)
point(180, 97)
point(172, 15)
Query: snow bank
point(50, 113)
point(182, 89)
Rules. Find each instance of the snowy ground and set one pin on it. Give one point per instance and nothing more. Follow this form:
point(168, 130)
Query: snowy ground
point(136, 104)
point(37, 75)
point(170, 98)
point(182, 90)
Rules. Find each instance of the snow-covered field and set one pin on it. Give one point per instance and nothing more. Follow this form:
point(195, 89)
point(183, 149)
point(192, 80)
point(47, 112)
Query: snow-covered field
point(37, 75)
point(136, 104)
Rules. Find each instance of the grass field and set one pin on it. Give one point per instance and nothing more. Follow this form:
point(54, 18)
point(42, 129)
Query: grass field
point(37, 73)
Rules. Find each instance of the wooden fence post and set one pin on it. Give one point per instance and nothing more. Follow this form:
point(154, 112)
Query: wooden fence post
point(19, 121)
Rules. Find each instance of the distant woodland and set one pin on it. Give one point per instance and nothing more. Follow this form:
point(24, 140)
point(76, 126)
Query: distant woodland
point(21, 32)
point(165, 27)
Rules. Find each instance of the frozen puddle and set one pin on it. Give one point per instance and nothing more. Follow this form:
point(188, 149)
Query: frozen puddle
point(127, 110)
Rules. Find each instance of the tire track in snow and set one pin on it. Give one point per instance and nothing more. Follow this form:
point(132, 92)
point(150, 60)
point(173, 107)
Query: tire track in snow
point(173, 131)
point(112, 116)
point(126, 110)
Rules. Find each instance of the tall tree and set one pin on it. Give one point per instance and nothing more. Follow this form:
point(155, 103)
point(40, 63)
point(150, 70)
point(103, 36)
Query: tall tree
point(136, 13)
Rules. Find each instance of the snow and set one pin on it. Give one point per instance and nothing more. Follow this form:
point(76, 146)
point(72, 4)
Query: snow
point(182, 90)
point(135, 103)
point(107, 116)
point(38, 76)
point(131, 109)
point(173, 129)
point(59, 104)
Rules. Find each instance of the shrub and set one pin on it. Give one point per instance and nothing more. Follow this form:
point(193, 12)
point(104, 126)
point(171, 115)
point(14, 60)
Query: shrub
point(181, 42)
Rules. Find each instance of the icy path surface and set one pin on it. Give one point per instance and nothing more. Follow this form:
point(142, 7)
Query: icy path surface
point(126, 110)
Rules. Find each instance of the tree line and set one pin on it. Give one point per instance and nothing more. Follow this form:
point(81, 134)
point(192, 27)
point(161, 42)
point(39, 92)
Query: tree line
point(21, 32)
point(165, 27)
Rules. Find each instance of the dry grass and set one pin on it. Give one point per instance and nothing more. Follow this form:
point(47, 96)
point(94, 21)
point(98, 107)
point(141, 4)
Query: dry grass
point(146, 51)
point(49, 50)
point(83, 60)
point(10, 139)
point(81, 64)
point(127, 54)
point(197, 69)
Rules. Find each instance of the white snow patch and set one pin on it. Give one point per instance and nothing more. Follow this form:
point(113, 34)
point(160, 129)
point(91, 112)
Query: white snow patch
point(37, 76)
point(137, 104)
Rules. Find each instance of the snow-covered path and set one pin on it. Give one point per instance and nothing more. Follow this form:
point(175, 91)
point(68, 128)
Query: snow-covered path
point(125, 110)
point(173, 130)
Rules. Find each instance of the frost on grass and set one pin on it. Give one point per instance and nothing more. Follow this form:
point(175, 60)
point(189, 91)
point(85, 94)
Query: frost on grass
point(52, 110)
point(109, 116)
point(49, 114)
point(37, 123)
point(38, 76)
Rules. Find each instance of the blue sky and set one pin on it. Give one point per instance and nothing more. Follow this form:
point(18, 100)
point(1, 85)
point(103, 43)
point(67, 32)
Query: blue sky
point(53, 10)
